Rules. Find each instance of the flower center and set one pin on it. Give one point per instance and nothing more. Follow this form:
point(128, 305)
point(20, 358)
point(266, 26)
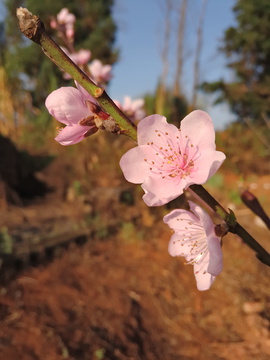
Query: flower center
point(193, 240)
point(176, 158)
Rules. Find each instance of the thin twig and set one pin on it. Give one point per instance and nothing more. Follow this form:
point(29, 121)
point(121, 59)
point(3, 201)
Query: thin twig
point(256, 132)
point(33, 28)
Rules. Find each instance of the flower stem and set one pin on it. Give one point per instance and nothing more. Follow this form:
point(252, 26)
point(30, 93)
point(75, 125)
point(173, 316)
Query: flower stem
point(33, 28)
point(233, 225)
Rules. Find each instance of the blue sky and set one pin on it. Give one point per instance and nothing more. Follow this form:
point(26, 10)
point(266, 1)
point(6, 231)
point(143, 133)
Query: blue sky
point(139, 39)
point(141, 27)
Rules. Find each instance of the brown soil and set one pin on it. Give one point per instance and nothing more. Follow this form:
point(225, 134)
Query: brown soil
point(120, 295)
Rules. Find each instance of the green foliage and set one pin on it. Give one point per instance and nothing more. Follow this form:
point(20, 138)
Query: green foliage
point(175, 108)
point(129, 233)
point(100, 354)
point(78, 187)
point(216, 181)
point(149, 103)
point(247, 47)
point(6, 242)
point(94, 29)
point(234, 196)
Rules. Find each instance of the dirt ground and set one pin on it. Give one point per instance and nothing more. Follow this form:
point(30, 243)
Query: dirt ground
point(120, 295)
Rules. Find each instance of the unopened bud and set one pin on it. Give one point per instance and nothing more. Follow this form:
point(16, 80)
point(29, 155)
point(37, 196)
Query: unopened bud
point(254, 205)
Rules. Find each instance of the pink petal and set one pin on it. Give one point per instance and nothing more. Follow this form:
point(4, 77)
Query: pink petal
point(174, 247)
point(206, 166)
point(95, 68)
point(217, 162)
point(172, 221)
point(100, 72)
point(204, 279)
point(127, 103)
point(179, 247)
point(83, 56)
point(69, 31)
point(70, 19)
point(215, 264)
point(198, 211)
point(198, 126)
point(137, 104)
point(53, 24)
point(71, 135)
point(134, 168)
point(84, 94)
point(62, 15)
point(160, 191)
point(215, 256)
point(139, 114)
point(205, 219)
point(147, 130)
point(66, 105)
point(106, 73)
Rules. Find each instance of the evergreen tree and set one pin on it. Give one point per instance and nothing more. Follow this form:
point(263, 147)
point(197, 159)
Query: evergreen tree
point(247, 46)
point(26, 64)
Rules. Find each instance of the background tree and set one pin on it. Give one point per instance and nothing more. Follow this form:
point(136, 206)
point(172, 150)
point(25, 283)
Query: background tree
point(27, 66)
point(247, 46)
point(169, 99)
point(180, 47)
point(166, 8)
point(198, 50)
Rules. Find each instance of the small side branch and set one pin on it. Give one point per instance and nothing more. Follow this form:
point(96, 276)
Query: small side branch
point(33, 28)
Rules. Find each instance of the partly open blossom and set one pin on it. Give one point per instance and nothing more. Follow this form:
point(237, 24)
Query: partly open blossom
point(100, 73)
point(70, 107)
point(64, 21)
point(132, 108)
point(167, 159)
point(195, 239)
point(65, 17)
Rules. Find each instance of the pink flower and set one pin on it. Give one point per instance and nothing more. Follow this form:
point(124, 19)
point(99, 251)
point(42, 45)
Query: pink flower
point(69, 31)
point(69, 106)
point(53, 23)
point(133, 108)
point(167, 159)
point(100, 73)
point(195, 239)
point(81, 57)
point(64, 21)
point(64, 17)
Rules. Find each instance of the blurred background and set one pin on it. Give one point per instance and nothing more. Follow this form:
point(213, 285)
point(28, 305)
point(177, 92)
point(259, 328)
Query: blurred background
point(85, 272)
